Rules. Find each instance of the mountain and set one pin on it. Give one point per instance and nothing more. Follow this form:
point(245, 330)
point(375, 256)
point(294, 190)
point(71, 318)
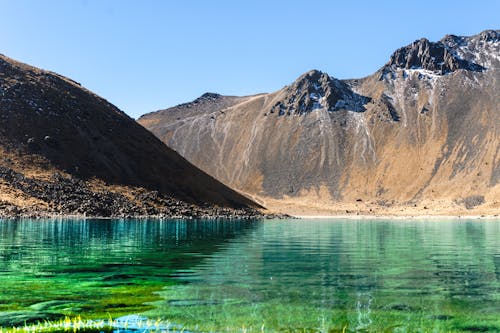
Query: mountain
point(419, 136)
point(67, 150)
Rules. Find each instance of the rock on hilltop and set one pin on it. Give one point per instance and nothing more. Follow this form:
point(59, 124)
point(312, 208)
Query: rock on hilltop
point(316, 90)
point(435, 57)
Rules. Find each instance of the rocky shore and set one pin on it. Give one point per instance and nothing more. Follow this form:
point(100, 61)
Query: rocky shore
point(65, 196)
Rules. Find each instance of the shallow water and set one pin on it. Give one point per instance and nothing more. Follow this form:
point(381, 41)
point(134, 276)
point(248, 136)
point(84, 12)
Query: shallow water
point(292, 275)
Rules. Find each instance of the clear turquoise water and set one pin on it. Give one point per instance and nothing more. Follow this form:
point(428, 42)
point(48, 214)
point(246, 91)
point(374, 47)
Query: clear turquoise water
point(292, 275)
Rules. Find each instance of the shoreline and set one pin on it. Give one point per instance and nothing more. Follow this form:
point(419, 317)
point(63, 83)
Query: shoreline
point(233, 215)
point(141, 217)
point(399, 217)
point(264, 216)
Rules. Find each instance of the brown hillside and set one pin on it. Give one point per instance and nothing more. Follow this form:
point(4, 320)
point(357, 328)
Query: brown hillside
point(50, 124)
point(419, 136)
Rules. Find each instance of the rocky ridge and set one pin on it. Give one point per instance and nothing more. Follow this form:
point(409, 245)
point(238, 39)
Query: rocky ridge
point(436, 57)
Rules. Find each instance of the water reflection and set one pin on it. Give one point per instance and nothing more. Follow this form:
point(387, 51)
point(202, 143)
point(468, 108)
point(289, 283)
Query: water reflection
point(33, 245)
point(362, 274)
point(95, 267)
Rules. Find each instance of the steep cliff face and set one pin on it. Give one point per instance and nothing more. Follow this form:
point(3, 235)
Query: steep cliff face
point(49, 124)
point(422, 132)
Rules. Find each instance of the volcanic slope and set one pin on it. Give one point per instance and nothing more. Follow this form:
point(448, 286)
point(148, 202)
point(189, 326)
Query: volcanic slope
point(66, 150)
point(419, 136)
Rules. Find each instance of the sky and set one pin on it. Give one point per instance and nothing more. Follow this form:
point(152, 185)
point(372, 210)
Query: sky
point(146, 55)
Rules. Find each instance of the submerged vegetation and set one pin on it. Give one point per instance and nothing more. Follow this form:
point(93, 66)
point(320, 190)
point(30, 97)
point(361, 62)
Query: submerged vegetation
point(77, 324)
point(63, 325)
point(145, 325)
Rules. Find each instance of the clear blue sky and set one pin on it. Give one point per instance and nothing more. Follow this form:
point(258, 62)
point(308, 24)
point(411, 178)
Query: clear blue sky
point(146, 55)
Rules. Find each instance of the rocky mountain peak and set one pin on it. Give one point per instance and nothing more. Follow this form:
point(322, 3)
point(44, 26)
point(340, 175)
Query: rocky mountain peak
point(313, 75)
point(453, 40)
point(208, 96)
point(316, 90)
point(490, 36)
point(436, 57)
point(482, 49)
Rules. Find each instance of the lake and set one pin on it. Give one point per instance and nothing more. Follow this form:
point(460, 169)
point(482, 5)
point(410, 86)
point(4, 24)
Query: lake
point(253, 276)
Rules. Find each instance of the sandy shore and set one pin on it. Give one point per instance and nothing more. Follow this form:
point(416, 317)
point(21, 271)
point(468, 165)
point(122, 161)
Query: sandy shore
point(361, 210)
point(400, 217)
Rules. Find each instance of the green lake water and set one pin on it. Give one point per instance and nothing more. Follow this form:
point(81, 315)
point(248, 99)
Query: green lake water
point(252, 276)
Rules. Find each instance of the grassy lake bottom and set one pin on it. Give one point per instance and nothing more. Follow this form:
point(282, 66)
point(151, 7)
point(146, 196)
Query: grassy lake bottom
point(253, 276)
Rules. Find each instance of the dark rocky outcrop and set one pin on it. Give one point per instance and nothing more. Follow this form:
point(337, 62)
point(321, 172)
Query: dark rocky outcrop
point(431, 56)
point(490, 36)
point(208, 102)
point(317, 90)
